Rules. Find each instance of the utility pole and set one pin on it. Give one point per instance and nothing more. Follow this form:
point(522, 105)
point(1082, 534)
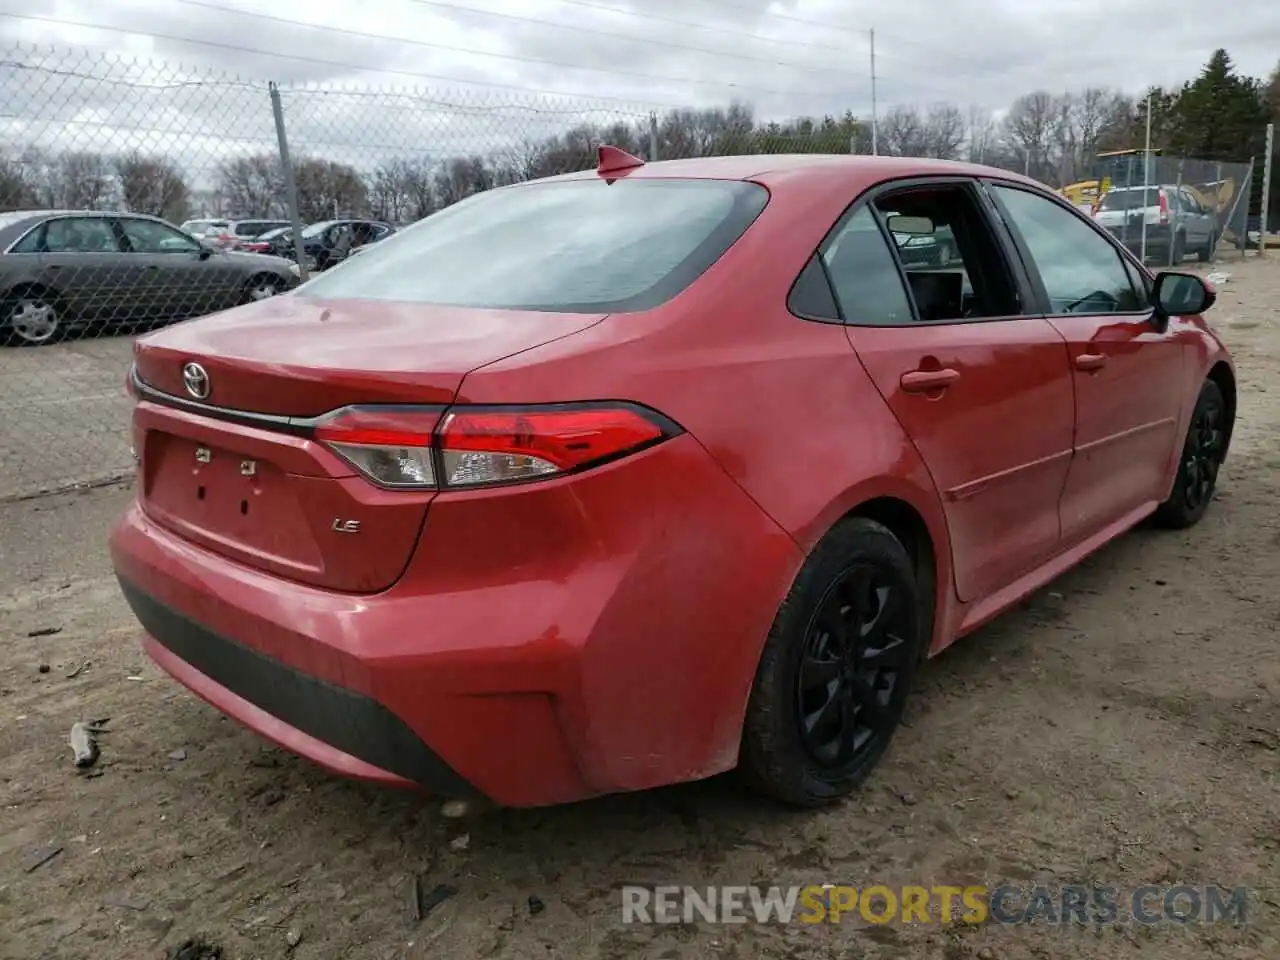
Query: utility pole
point(875, 123)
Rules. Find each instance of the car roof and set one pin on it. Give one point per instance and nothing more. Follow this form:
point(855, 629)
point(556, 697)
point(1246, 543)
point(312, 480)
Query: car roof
point(45, 214)
point(791, 166)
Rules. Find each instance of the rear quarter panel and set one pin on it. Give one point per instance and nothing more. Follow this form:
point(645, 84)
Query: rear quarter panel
point(782, 404)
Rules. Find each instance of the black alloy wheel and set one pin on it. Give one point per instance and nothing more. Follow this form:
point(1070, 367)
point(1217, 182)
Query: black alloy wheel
point(835, 670)
point(1203, 453)
point(855, 651)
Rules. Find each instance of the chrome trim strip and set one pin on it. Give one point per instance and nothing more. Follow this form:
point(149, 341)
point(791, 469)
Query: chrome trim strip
point(272, 421)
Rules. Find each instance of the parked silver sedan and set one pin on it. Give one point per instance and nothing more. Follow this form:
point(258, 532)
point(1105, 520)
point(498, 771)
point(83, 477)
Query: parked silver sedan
point(63, 269)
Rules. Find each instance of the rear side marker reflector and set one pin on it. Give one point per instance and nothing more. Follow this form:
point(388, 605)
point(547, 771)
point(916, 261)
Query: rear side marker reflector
point(425, 448)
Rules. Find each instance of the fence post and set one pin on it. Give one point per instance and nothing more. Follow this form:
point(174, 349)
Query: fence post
point(1218, 225)
point(290, 184)
point(1241, 192)
point(653, 137)
point(1266, 191)
point(1177, 217)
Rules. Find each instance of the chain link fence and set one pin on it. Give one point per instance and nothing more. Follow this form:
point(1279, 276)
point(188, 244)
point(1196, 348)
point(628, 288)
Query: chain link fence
point(142, 194)
point(1166, 209)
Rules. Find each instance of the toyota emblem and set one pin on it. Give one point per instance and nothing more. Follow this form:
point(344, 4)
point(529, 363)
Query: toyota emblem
point(195, 380)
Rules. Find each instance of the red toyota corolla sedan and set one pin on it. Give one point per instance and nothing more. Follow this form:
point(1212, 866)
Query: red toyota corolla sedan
point(636, 475)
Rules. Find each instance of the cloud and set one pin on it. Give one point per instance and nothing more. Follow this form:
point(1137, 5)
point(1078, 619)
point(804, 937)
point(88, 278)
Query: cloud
point(365, 81)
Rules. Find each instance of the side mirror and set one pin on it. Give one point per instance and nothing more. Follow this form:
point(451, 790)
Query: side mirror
point(1181, 294)
point(205, 252)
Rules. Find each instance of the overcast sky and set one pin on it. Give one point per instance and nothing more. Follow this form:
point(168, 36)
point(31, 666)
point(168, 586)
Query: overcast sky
point(485, 71)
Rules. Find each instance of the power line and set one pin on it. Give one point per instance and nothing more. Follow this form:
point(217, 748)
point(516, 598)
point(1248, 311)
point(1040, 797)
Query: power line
point(659, 18)
point(518, 58)
point(747, 8)
point(440, 4)
point(321, 61)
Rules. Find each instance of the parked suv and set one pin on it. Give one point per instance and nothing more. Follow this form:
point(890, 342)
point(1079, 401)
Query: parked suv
point(1169, 214)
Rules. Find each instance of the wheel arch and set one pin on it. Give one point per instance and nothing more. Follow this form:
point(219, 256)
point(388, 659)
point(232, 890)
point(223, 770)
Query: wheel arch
point(27, 287)
point(906, 523)
point(1222, 375)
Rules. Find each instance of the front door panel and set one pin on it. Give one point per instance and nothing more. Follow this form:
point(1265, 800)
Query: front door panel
point(1127, 410)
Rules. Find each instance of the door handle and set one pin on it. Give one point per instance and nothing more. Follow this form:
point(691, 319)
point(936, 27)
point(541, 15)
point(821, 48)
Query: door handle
point(1091, 361)
point(926, 381)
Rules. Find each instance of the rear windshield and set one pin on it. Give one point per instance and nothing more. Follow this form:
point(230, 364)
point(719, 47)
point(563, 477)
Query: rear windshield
point(1129, 199)
point(577, 246)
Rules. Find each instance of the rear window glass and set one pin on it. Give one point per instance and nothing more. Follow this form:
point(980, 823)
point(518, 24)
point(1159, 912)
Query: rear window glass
point(583, 246)
point(1129, 200)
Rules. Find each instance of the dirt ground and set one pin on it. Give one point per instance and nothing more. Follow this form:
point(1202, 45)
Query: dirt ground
point(1120, 728)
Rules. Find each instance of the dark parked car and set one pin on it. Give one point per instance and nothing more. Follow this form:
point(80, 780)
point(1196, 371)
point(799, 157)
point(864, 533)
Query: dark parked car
point(324, 243)
point(64, 269)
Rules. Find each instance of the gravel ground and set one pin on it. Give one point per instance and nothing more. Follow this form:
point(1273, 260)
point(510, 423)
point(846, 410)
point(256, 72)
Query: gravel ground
point(1121, 728)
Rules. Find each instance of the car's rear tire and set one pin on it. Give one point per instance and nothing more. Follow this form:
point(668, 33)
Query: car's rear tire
point(262, 287)
point(31, 317)
point(1203, 452)
point(1179, 251)
point(836, 669)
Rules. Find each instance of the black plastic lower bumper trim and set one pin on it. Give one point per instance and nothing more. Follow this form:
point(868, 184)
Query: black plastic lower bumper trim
point(351, 722)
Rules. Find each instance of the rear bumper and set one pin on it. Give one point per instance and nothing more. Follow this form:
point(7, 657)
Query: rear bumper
point(338, 728)
point(581, 636)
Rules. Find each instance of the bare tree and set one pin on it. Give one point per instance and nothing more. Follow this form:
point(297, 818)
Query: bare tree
point(76, 181)
point(1029, 130)
point(984, 140)
point(152, 185)
point(943, 131)
point(1091, 117)
point(460, 178)
point(17, 184)
point(328, 189)
point(253, 186)
point(902, 133)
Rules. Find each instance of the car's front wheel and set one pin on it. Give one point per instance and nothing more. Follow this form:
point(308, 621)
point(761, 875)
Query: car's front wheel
point(1203, 452)
point(262, 288)
point(32, 319)
point(834, 674)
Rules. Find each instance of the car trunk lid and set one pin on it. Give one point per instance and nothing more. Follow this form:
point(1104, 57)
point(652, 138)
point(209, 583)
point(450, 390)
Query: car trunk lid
point(235, 471)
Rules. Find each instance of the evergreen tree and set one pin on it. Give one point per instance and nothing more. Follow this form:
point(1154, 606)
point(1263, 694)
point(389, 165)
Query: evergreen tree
point(1219, 115)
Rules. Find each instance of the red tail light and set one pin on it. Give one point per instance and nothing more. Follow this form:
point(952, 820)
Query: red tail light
point(418, 448)
point(389, 445)
point(1164, 208)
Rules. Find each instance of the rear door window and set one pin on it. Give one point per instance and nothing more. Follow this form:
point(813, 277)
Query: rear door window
point(584, 246)
point(865, 276)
